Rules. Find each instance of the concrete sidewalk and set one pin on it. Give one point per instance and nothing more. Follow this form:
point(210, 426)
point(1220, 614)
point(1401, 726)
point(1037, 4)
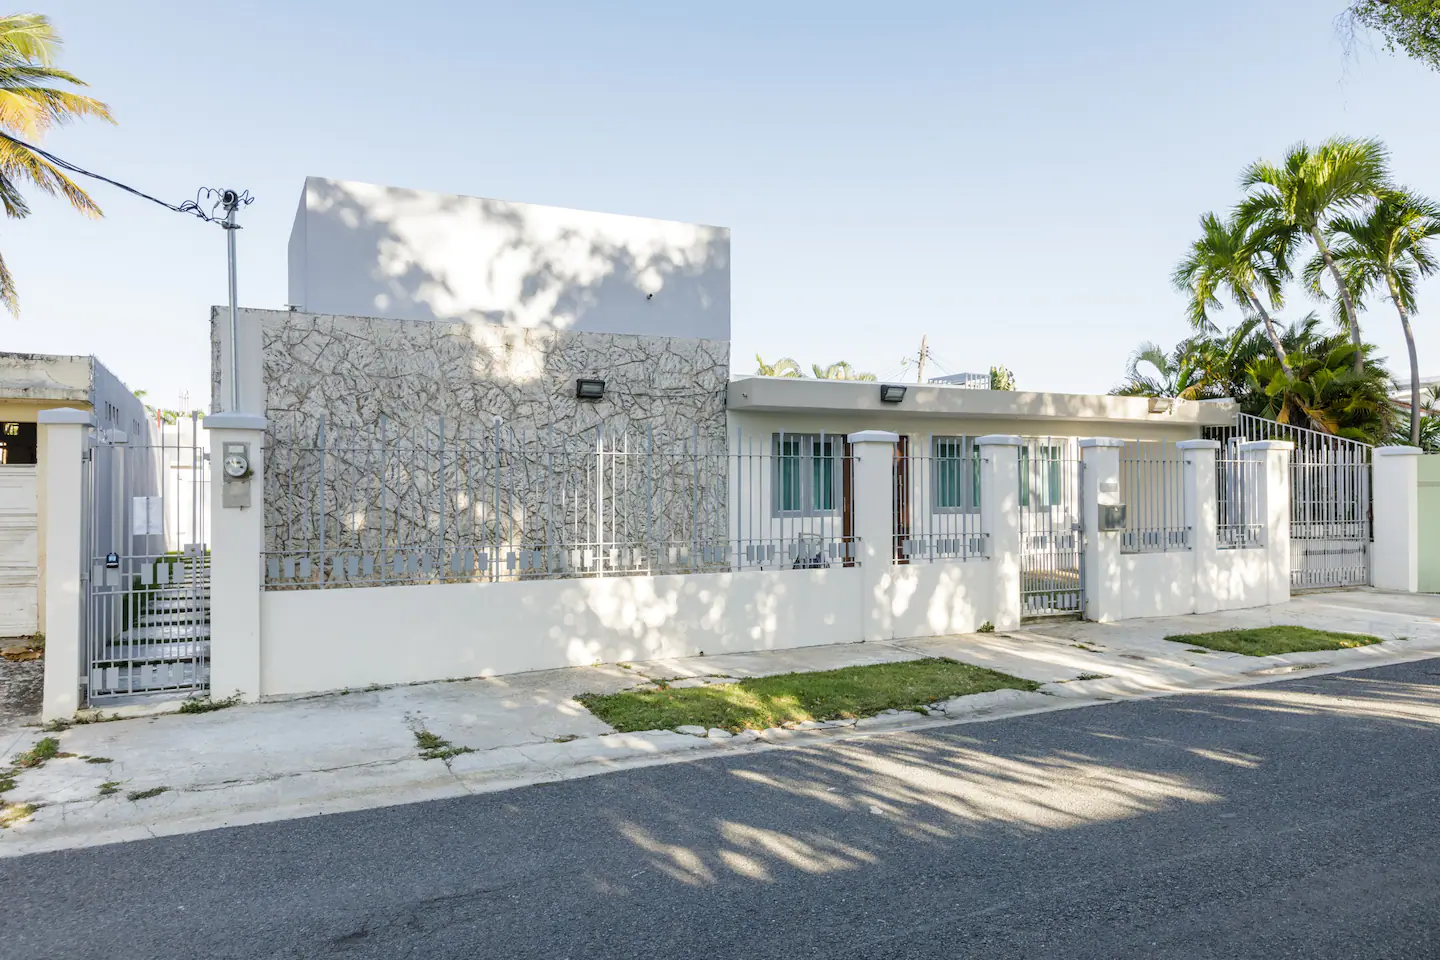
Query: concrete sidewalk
point(354, 750)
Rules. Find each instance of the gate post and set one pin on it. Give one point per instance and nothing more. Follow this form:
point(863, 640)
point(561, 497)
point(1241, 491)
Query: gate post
point(1395, 488)
point(1100, 460)
point(1274, 457)
point(1000, 518)
point(1202, 517)
point(237, 541)
point(873, 453)
point(60, 492)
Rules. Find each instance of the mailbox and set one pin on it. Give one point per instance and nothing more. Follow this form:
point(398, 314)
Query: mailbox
point(1112, 517)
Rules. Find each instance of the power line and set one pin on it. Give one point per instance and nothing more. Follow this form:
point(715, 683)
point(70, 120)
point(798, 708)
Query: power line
point(216, 198)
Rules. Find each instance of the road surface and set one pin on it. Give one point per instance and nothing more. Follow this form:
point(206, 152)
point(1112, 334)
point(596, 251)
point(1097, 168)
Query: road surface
point(1295, 819)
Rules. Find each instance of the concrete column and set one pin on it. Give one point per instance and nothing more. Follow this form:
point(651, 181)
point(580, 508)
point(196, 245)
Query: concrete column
point(60, 491)
point(1100, 468)
point(873, 479)
point(237, 541)
point(1202, 517)
point(1000, 518)
point(1395, 490)
point(1274, 481)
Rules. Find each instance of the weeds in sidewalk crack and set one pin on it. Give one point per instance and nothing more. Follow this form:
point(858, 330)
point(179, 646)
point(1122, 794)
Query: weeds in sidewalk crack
point(16, 812)
point(37, 755)
point(435, 747)
point(207, 705)
point(109, 787)
point(146, 794)
point(98, 760)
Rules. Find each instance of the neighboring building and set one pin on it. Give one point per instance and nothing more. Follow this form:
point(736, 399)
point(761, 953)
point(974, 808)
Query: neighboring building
point(29, 383)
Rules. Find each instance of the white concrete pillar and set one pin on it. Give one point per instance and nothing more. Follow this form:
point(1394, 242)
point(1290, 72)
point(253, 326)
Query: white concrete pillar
point(1000, 519)
point(1202, 517)
point(237, 542)
point(60, 491)
point(873, 490)
point(1274, 482)
point(1395, 491)
point(1100, 463)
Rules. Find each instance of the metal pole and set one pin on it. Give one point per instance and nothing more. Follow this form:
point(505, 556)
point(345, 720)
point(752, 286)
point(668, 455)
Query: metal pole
point(232, 203)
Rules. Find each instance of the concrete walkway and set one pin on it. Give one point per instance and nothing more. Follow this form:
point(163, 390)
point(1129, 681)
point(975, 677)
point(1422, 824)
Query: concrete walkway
point(356, 750)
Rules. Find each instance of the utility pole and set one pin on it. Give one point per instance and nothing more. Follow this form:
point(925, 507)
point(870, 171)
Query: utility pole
point(230, 203)
point(924, 352)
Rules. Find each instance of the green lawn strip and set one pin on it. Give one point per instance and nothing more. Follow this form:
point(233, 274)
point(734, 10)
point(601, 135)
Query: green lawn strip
point(1269, 641)
point(763, 702)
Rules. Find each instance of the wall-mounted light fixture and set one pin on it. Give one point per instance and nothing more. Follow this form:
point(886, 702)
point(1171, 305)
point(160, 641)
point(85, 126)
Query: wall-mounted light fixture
point(588, 389)
point(1161, 404)
point(891, 393)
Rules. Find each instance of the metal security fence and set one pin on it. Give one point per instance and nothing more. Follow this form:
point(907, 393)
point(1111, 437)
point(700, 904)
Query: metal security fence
point(449, 503)
point(146, 573)
point(1152, 486)
point(1052, 532)
point(937, 502)
point(1330, 516)
point(1237, 490)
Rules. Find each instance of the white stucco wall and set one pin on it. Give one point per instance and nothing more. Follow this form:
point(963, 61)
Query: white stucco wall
point(939, 598)
point(361, 249)
point(313, 640)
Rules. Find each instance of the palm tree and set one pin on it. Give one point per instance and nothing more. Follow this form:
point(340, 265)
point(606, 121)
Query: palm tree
point(1176, 374)
point(1295, 201)
point(1323, 392)
point(1389, 247)
point(29, 108)
point(784, 367)
point(1227, 259)
point(839, 371)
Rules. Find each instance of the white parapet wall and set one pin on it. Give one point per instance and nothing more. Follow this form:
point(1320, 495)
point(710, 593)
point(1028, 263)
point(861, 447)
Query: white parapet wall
point(317, 640)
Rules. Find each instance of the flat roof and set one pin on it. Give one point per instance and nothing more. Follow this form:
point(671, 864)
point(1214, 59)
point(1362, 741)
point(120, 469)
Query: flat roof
point(922, 400)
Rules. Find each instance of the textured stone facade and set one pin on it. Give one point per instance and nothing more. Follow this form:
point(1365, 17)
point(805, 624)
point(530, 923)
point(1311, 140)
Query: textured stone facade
point(361, 373)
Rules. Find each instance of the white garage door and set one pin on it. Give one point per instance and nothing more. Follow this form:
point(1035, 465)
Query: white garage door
point(19, 557)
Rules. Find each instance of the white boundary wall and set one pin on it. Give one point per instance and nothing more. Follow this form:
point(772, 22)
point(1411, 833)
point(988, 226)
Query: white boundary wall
point(308, 641)
point(314, 640)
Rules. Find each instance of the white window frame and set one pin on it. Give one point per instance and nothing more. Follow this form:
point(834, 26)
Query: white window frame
point(969, 478)
point(806, 458)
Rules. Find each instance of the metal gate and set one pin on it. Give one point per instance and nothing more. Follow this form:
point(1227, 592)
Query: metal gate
point(1330, 511)
point(1052, 536)
point(146, 574)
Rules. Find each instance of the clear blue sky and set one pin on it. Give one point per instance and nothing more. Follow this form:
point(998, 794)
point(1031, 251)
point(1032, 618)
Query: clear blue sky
point(1017, 181)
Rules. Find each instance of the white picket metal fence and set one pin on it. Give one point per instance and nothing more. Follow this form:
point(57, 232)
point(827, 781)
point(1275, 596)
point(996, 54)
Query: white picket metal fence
point(1330, 509)
point(1239, 524)
point(937, 502)
point(1152, 486)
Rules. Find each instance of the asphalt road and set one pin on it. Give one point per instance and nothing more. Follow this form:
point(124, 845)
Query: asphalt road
point(1291, 820)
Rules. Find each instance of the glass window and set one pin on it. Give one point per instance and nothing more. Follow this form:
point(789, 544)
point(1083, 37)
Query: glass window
point(956, 481)
point(1041, 475)
point(805, 476)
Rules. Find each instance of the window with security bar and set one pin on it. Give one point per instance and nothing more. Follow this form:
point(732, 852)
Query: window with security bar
point(806, 474)
point(956, 475)
point(1041, 475)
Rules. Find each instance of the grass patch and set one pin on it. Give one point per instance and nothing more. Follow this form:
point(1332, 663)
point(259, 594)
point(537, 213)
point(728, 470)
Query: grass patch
point(7, 782)
point(146, 794)
point(109, 787)
point(98, 760)
point(1269, 641)
point(761, 702)
point(1093, 676)
point(15, 812)
point(208, 705)
point(37, 755)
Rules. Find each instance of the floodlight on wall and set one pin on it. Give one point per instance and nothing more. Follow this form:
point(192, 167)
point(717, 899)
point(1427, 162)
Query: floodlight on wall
point(891, 393)
point(588, 389)
point(1161, 404)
